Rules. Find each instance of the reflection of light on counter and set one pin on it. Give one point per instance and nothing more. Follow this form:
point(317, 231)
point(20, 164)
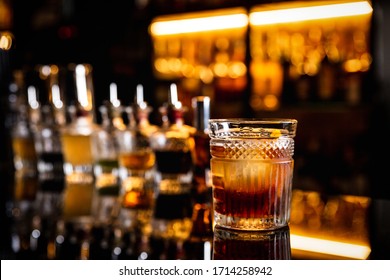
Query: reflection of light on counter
point(329, 247)
point(285, 15)
point(203, 22)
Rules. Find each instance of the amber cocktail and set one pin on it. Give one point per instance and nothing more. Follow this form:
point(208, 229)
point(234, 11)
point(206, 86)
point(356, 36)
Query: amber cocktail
point(252, 170)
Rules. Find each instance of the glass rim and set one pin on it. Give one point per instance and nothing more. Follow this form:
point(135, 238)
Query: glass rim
point(254, 120)
point(253, 128)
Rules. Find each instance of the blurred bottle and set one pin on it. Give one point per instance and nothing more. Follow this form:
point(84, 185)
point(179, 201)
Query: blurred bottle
point(201, 108)
point(78, 167)
point(25, 186)
point(25, 157)
point(136, 172)
point(198, 246)
point(51, 77)
point(76, 140)
point(34, 107)
point(327, 80)
point(115, 109)
point(142, 112)
point(106, 168)
point(173, 145)
point(251, 245)
point(51, 179)
point(48, 146)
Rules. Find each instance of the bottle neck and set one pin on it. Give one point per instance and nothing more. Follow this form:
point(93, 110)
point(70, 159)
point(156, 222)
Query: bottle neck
point(201, 106)
point(175, 116)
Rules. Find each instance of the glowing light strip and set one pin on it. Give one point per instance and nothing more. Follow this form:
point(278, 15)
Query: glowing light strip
point(310, 13)
point(329, 247)
point(199, 24)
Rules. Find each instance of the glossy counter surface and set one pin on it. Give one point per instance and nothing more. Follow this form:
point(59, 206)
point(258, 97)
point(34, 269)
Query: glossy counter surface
point(321, 227)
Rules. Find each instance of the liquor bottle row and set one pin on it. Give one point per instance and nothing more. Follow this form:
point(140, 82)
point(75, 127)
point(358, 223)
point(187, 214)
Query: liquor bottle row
point(123, 171)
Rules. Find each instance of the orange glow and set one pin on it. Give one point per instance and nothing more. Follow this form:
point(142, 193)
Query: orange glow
point(199, 22)
point(131, 199)
point(334, 226)
point(5, 41)
point(330, 247)
point(286, 14)
point(271, 102)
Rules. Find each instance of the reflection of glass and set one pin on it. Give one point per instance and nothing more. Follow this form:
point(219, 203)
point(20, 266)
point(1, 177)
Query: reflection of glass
point(251, 245)
point(252, 168)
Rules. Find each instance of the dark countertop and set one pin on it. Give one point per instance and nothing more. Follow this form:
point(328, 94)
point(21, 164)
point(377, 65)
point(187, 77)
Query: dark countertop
point(321, 227)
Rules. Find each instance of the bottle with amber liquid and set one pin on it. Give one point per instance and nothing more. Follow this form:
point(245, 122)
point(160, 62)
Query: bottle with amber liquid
point(136, 172)
point(173, 145)
point(76, 141)
point(76, 138)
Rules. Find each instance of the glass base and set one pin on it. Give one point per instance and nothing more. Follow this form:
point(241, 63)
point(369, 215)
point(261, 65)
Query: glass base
point(250, 224)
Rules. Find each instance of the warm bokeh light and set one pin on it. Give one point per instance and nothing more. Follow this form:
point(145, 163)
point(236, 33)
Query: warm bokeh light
point(284, 14)
point(333, 226)
point(32, 97)
point(329, 247)
point(5, 41)
point(199, 22)
point(83, 85)
point(56, 96)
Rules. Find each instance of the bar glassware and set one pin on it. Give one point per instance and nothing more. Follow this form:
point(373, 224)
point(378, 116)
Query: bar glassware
point(252, 171)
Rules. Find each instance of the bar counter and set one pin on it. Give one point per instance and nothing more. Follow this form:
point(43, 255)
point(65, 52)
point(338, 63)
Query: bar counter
point(321, 227)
